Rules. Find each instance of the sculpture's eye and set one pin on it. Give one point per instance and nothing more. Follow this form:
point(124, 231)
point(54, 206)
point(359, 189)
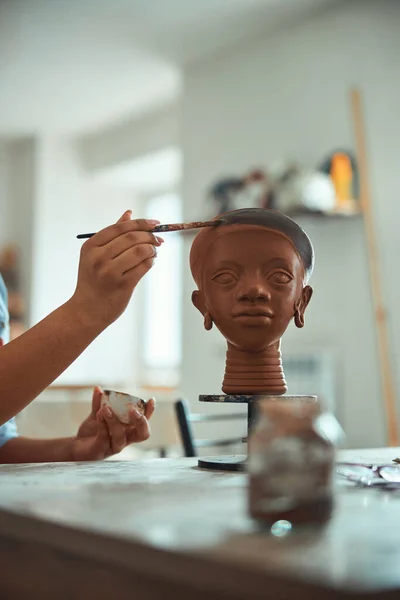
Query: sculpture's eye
point(225, 278)
point(280, 277)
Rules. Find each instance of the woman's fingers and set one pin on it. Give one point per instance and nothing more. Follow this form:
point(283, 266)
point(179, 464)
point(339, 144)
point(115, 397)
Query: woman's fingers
point(103, 439)
point(127, 216)
point(139, 431)
point(116, 430)
point(131, 239)
point(111, 232)
point(133, 257)
point(96, 400)
point(133, 276)
point(150, 408)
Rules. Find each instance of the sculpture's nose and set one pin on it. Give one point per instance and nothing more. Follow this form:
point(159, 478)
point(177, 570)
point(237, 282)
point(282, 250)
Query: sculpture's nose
point(254, 291)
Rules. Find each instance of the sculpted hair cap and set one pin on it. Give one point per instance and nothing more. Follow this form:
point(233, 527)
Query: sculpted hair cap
point(261, 217)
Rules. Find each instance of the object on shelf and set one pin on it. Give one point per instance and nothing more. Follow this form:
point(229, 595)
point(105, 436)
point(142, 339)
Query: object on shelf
point(331, 189)
point(301, 190)
point(341, 167)
point(254, 190)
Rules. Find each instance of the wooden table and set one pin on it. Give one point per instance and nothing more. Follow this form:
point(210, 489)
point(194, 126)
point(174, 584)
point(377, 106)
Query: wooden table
point(164, 529)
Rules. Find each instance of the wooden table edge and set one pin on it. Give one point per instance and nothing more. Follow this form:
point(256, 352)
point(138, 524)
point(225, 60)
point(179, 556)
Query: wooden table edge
point(196, 571)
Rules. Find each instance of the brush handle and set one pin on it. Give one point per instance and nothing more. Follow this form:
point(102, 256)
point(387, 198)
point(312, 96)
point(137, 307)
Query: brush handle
point(184, 226)
point(169, 227)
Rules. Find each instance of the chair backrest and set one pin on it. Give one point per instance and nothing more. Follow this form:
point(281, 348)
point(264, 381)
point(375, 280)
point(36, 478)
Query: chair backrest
point(185, 420)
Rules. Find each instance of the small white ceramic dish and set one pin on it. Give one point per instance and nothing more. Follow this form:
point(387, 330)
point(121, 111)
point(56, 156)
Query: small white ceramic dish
point(121, 403)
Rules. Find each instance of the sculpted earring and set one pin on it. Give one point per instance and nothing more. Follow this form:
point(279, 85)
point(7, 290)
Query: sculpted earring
point(208, 323)
point(298, 318)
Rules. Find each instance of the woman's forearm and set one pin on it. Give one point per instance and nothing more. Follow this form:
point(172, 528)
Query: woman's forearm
point(30, 363)
point(26, 450)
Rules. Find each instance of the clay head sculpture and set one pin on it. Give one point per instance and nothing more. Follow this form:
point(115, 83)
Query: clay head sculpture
point(252, 276)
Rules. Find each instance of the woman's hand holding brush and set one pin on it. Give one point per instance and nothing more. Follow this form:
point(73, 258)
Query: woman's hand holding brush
point(112, 263)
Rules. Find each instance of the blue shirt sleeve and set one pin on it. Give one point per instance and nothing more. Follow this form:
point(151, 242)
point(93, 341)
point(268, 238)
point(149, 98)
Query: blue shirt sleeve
point(4, 317)
point(8, 431)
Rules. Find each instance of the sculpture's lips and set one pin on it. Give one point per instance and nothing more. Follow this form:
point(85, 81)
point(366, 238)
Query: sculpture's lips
point(253, 312)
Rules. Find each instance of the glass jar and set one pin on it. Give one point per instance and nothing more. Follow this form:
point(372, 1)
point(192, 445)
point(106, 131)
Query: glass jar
point(291, 461)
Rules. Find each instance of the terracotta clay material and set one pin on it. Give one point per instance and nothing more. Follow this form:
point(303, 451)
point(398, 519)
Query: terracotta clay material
point(252, 278)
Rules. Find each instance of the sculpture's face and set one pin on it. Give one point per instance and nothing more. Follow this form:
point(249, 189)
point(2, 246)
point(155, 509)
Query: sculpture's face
point(252, 286)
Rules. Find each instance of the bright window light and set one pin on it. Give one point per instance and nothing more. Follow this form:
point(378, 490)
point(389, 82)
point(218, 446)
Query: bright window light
point(162, 300)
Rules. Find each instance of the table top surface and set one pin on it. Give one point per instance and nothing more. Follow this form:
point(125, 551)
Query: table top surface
point(170, 504)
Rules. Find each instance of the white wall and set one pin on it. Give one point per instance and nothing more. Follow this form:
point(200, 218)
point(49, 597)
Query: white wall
point(18, 189)
point(286, 96)
point(68, 203)
point(46, 198)
point(131, 139)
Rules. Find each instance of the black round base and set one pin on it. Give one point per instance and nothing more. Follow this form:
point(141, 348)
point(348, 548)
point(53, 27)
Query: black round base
point(236, 462)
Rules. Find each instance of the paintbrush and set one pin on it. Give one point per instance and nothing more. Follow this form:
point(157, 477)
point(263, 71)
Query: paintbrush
point(171, 227)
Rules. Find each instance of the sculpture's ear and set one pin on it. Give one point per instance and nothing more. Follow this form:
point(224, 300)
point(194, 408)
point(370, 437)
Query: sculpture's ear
point(199, 301)
point(301, 305)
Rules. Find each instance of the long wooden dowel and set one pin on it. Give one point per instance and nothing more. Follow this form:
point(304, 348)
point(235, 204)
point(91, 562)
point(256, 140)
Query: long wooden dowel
point(389, 395)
